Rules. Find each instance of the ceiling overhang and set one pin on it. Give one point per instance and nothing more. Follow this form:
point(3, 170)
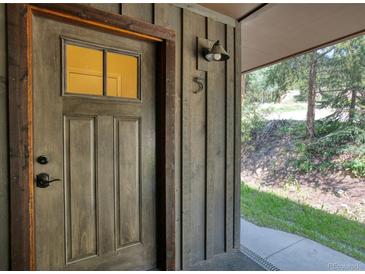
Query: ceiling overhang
point(278, 31)
point(236, 11)
point(274, 32)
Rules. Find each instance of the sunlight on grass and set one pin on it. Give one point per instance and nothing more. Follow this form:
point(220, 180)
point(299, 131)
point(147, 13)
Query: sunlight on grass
point(283, 107)
point(267, 209)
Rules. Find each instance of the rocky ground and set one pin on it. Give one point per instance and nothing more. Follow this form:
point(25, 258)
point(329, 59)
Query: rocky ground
point(266, 164)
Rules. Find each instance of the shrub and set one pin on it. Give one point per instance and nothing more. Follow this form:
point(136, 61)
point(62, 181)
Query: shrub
point(337, 140)
point(338, 145)
point(356, 167)
point(325, 126)
point(252, 121)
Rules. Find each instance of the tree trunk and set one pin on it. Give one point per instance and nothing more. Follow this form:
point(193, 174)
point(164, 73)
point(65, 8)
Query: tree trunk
point(312, 82)
point(352, 105)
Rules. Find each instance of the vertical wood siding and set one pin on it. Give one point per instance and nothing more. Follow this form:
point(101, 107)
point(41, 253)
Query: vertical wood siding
point(229, 130)
point(207, 135)
point(216, 115)
point(193, 145)
point(143, 12)
point(237, 137)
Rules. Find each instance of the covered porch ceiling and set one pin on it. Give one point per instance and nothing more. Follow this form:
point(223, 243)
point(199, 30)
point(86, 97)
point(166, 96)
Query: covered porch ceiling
point(273, 32)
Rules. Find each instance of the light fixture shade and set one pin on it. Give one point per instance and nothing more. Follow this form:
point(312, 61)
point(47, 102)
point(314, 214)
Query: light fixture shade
point(216, 53)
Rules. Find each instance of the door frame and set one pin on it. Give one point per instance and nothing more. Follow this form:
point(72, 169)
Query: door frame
point(19, 42)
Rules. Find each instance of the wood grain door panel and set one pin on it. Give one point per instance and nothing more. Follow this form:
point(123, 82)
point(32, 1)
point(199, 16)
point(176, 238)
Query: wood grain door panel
point(127, 180)
point(102, 214)
point(80, 188)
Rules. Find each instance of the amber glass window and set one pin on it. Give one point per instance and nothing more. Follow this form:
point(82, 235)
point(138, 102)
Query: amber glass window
point(84, 70)
point(101, 72)
point(122, 73)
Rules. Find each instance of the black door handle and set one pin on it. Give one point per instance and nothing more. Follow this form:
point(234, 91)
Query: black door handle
point(43, 180)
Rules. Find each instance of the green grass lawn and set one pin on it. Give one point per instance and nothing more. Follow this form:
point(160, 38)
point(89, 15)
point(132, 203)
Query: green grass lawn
point(267, 209)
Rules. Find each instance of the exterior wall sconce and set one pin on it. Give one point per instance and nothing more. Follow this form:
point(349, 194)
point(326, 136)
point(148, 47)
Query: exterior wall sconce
point(208, 52)
point(216, 53)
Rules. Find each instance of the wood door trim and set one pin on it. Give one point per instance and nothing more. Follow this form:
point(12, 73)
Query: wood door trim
point(19, 46)
point(99, 19)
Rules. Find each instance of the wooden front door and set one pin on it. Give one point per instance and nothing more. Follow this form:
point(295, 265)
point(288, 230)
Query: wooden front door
point(94, 131)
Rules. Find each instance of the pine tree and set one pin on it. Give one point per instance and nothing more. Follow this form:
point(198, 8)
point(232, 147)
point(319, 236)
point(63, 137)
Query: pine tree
point(343, 87)
point(336, 74)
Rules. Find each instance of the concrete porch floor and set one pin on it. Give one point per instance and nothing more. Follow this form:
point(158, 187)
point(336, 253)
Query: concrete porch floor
point(288, 251)
point(231, 261)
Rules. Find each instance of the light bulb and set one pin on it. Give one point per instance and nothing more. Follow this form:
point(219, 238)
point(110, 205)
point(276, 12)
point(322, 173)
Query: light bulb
point(217, 56)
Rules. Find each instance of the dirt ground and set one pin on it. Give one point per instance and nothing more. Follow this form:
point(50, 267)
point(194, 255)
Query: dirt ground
point(267, 165)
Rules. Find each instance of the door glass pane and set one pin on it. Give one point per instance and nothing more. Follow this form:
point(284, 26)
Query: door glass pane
point(122, 71)
point(84, 70)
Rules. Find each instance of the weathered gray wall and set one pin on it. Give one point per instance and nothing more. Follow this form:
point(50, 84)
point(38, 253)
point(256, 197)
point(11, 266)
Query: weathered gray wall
point(4, 209)
point(206, 212)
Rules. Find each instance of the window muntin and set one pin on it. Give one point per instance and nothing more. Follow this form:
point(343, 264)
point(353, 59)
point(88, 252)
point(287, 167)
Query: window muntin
point(92, 70)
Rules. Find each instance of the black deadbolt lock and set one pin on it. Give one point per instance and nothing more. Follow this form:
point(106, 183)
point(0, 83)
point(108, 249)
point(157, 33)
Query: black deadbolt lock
point(43, 160)
point(43, 180)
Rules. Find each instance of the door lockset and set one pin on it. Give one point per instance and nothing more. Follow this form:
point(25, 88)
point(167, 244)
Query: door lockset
point(43, 160)
point(43, 180)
